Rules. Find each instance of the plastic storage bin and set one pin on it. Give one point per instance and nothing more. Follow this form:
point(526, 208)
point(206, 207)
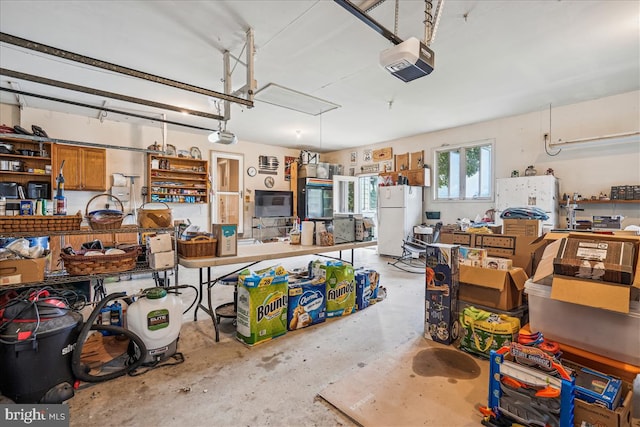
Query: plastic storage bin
point(592, 329)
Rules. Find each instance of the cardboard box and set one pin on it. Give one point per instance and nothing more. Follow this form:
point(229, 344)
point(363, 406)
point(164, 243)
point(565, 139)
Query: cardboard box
point(596, 387)
point(607, 260)
point(522, 227)
point(441, 293)
point(31, 270)
point(590, 414)
point(159, 243)
point(162, 260)
point(227, 237)
point(497, 263)
point(524, 251)
point(492, 288)
point(13, 279)
point(592, 293)
point(471, 256)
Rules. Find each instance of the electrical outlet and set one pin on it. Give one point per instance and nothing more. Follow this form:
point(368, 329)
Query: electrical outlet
point(144, 191)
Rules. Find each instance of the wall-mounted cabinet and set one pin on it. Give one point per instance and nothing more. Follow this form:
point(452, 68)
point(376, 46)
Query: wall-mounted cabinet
point(416, 177)
point(84, 169)
point(177, 179)
point(25, 161)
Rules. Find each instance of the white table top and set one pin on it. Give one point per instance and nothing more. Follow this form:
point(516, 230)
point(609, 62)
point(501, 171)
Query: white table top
point(268, 251)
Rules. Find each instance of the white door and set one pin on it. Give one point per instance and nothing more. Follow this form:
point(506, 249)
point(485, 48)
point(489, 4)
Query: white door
point(227, 183)
point(346, 198)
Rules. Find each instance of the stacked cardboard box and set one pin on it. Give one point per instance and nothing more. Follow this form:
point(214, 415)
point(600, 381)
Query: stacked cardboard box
point(160, 253)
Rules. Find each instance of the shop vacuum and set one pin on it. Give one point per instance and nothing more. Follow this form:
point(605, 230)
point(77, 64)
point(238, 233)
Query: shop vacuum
point(37, 338)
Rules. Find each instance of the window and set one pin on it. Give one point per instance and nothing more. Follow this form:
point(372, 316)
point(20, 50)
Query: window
point(465, 172)
point(368, 194)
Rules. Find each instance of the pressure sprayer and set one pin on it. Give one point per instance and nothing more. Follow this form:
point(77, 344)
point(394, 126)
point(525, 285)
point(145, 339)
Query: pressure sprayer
point(156, 317)
point(154, 320)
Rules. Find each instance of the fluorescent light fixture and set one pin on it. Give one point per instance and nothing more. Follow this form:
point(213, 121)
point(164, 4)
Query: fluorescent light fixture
point(281, 96)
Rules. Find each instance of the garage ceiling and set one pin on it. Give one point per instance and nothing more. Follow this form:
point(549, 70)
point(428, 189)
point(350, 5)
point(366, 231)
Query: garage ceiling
point(493, 59)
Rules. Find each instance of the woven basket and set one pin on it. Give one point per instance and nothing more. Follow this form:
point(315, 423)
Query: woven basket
point(80, 265)
point(198, 247)
point(29, 223)
point(105, 219)
point(155, 218)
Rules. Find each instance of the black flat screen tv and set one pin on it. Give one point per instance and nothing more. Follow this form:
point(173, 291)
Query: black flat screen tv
point(273, 203)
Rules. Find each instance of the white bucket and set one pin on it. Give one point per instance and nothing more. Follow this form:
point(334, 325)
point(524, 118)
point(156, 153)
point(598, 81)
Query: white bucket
point(157, 320)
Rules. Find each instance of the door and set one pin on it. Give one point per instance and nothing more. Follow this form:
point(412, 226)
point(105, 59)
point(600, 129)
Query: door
point(346, 197)
point(314, 201)
point(228, 184)
point(368, 198)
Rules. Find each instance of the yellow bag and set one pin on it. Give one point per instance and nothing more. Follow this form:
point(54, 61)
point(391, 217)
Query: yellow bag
point(483, 331)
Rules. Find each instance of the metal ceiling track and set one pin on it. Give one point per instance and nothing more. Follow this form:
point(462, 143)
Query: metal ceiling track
point(64, 54)
point(106, 94)
point(361, 15)
point(103, 108)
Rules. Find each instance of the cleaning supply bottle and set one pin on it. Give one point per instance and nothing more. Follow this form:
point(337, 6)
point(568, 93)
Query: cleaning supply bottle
point(60, 199)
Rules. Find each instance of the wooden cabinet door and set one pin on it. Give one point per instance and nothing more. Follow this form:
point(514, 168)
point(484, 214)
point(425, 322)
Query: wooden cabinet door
point(94, 169)
point(415, 177)
point(72, 166)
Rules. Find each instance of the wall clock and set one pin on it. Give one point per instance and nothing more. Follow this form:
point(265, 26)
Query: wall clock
point(251, 171)
point(269, 181)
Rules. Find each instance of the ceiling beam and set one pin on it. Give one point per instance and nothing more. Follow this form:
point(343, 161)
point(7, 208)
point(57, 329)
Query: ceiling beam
point(64, 54)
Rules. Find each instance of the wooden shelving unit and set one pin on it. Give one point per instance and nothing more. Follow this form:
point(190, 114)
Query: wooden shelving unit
point(177, 179)
point(32, 167)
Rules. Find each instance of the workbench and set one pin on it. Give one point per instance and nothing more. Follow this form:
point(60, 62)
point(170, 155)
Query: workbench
point(249, 255)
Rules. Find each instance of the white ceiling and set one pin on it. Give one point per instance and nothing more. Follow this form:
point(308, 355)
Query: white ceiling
point(493, 58)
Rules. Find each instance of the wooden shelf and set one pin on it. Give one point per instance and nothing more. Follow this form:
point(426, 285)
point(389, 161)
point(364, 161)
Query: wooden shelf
point(600, 202)
point(48, 175)
point(181, 173)
point(28, 162)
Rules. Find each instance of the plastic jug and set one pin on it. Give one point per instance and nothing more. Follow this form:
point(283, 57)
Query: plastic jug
point(156, 319)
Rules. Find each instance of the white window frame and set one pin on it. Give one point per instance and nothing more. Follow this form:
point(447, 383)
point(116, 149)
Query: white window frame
point(462, 168)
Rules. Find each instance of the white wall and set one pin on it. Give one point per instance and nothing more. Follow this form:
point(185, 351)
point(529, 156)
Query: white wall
point(519, 143)
point(80, 128)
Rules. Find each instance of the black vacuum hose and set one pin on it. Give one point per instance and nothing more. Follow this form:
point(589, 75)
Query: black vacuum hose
point(76, 363)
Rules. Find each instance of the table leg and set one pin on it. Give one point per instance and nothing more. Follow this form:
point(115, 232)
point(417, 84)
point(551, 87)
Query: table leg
point(195, 312)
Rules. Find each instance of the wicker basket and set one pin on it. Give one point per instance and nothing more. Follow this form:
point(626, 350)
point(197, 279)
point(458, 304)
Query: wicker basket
point(105, 219)
point(80, 265)
point(198, 247)
point(155, 218)
point(29, 223)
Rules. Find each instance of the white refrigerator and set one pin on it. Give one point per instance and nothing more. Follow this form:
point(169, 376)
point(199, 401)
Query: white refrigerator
point(399, 209)
point(528, 191)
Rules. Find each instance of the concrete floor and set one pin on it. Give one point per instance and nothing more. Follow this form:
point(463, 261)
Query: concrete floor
point(272, 384)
